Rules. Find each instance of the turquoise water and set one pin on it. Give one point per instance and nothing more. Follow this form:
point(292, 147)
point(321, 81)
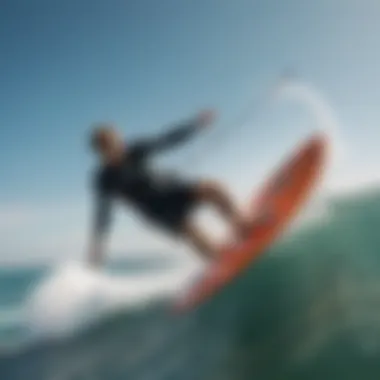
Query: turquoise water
point(308, 309)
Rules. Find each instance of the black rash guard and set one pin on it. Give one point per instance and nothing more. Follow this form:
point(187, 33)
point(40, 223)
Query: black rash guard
point(134, 181)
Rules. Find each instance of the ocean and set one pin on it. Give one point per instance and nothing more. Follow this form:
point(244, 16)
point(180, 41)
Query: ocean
point(309, 308)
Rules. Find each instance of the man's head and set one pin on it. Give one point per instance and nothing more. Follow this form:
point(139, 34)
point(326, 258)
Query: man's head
point(107, 142)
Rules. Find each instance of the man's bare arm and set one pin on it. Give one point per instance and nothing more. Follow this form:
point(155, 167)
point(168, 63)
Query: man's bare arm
point(99, 230)
point(176, 135)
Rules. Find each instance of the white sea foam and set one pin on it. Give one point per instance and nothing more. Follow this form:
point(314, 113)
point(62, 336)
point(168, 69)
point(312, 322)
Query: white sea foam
point(73, 297)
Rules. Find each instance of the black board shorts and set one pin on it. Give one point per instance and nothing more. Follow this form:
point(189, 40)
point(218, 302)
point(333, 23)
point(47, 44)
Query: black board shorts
point(172, 208)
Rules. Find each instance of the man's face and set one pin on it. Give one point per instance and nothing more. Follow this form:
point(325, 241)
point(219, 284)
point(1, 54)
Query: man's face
point(108, 143)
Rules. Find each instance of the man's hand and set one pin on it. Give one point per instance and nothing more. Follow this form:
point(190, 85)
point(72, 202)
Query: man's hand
point(206, 117)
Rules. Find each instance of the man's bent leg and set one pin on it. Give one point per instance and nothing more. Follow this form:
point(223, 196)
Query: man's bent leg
point(200, 241)
point(214, 194)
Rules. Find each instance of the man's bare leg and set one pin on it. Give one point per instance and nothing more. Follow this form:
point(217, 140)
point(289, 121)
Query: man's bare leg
point(200, 241)
point(214, 194)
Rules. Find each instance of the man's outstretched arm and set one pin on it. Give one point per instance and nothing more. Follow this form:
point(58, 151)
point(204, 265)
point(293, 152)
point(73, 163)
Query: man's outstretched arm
point(177, 135)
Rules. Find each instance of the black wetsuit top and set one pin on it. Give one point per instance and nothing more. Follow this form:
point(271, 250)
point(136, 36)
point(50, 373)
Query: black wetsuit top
point(135, 182)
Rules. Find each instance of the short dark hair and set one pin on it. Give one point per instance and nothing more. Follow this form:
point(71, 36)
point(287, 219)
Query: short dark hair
point(97, 135)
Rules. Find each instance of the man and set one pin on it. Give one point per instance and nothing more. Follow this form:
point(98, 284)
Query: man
point(166, 202)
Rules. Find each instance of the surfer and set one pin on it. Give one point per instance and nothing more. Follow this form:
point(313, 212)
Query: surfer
point(165, 201)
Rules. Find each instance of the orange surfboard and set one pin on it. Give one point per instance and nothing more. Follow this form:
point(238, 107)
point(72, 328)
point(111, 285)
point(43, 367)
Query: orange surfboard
point(279, 200)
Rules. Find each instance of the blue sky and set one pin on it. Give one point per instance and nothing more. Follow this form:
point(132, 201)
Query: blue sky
point(145, 64)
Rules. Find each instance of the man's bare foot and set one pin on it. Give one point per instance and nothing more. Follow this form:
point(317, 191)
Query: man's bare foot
point(245, 225)
point(242, 228)
point(264, 217)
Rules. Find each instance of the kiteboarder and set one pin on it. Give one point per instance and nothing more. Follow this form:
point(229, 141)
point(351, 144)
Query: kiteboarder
point(165, 201)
